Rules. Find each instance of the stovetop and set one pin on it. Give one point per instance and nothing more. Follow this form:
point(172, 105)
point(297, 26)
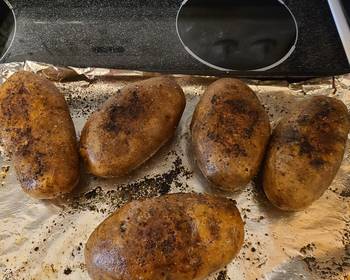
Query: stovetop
point(346, 5)
point(141, 34)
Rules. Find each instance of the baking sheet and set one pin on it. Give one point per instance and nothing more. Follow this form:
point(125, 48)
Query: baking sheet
point(45, 239)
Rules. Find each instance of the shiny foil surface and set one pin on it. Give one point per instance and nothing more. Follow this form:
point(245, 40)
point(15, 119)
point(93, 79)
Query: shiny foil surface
point(45, 239)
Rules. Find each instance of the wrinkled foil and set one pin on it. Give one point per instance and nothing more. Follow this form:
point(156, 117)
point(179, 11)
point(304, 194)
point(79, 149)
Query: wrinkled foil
point(45, 239)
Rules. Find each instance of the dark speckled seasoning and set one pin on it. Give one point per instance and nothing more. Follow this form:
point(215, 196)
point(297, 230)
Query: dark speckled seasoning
point(175, 236)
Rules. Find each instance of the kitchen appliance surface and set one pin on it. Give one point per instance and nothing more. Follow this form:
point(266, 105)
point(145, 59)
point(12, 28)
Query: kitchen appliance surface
point(7, 28)
point(346, 5)
point(142, 35)
point(237, 35)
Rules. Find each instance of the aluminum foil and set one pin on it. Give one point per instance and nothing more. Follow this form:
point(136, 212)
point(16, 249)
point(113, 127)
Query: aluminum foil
point(45, 239)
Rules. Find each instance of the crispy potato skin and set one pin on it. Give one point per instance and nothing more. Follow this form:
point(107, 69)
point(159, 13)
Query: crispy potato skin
point(305, 153)
point(131, 126)
point(38, 133)
point(176, 236)
point(230, 130)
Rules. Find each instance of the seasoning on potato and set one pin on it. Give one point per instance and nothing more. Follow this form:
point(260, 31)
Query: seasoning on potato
point(131, 126)
point(230, 130)
point(305, 153)
point(38, 133)
point(176, 236)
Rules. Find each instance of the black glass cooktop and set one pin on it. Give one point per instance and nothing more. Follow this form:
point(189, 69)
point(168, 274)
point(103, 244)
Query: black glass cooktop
point(293, 38)
point(7, 25)
point(346, 6)
point(237, 35)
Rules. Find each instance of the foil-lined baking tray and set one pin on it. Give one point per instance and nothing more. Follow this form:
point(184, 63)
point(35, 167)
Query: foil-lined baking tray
point(45, 239)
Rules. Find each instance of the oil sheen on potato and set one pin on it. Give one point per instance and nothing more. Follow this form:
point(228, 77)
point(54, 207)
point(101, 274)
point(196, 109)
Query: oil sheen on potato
point(176, 236)
point(230, 131)
point(131, 126)
point(305, 153)
point(38, 132)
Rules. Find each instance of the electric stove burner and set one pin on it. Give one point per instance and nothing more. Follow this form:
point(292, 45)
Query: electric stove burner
point(346, 7)
point(7, 28)
point(237, 34)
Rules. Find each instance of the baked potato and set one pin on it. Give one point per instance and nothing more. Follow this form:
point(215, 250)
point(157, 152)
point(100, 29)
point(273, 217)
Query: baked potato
point(131, 126)
point(38, 133)
point(305, 153)
point(230, 130)
point(176, 236)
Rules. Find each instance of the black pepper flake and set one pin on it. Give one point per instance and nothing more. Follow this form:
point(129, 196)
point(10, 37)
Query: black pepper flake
point(67, 271)
point(308, 248)
point(310, 262)
point(93, 193)
point(223, 275)
point(345, 193)
point(149, 186)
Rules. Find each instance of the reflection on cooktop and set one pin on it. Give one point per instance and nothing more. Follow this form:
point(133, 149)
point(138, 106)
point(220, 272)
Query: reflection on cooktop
point(237, 34)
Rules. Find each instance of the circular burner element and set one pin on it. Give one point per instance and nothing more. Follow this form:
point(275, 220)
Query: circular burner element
point(7, 28)
point(237, 34)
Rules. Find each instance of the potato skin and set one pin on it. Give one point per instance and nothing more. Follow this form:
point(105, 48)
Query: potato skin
point(131, 126)
point(305, 153)
point(230, 130)
point(38, 132)
point(176, 236)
